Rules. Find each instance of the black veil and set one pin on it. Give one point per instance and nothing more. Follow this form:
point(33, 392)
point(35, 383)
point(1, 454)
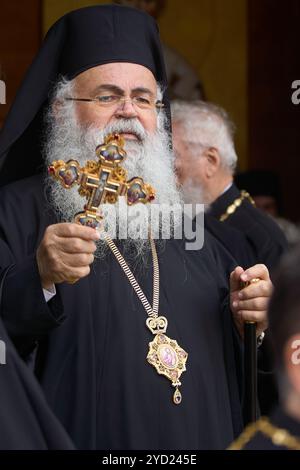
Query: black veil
point(79, 40)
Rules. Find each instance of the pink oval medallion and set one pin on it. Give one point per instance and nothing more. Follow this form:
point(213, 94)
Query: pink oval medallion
point(167, 356)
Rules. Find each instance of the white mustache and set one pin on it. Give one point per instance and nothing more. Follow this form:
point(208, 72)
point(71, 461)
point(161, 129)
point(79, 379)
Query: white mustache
point(124, 126)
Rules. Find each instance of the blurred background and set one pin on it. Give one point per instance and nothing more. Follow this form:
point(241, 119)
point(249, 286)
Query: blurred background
point(243, 55)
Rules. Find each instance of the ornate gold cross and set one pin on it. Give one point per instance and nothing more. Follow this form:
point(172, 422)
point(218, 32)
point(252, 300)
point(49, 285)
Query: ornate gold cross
point(101, 181)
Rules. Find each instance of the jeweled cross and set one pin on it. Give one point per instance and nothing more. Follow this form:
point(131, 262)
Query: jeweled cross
point(101, 181)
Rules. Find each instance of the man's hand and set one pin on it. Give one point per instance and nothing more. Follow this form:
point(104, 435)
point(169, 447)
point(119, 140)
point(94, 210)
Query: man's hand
point(250, 303)
point(65, 253)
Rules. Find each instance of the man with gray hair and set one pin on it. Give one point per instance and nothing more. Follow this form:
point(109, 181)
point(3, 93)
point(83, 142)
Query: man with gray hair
point(205, 165)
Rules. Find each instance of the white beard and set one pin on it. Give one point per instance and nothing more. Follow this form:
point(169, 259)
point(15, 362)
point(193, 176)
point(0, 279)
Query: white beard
point(149, 158)
point(193, 194)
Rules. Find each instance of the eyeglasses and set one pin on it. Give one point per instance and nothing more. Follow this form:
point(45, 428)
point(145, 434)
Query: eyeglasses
point(114, 101)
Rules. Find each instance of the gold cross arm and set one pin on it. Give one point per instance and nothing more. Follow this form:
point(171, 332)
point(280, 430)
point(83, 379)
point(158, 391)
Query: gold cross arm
point(101, 181)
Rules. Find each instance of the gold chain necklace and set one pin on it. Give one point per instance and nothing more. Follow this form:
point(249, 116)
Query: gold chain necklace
point(235, 204)
point(279, 436)
point(165, 355)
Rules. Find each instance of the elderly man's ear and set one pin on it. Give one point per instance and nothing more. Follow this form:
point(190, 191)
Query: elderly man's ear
point(212, 161)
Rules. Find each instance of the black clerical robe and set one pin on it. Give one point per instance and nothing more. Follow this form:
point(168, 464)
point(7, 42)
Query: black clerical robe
point(279, 420)
point(263, 235)
point(232, 239)
point(26, 421)
point(91, 340)
point(267, 243)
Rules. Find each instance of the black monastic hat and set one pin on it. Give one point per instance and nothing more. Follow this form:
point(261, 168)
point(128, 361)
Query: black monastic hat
point(78, 41)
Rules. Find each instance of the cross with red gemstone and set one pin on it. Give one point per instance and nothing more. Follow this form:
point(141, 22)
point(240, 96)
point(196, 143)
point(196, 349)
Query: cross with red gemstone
point(103, 181)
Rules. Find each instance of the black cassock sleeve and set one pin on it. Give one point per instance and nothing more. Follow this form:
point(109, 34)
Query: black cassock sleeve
point(25, 313)
point(232, 342)
point(24, 217)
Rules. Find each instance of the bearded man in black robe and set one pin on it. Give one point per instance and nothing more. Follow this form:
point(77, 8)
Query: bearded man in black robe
point(66, 297)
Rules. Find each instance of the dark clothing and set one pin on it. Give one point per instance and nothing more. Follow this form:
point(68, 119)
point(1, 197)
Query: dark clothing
point(93, 342)
point(264, 236)
point(278, 419)
point(233, 240)
point(267, 243)
point(26, 421)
